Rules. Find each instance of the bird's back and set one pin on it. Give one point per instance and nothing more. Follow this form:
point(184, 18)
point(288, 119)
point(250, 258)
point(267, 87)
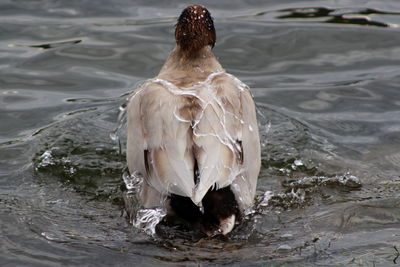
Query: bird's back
point(186, 140)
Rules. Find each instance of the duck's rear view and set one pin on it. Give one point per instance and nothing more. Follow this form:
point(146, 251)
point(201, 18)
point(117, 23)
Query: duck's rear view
point(192, 133)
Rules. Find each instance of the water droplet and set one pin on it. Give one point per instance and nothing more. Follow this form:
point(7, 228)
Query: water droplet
point(122, 107)
point(72, 170)
point(265, 199)
point(297, 163)
point(287, 235)
point(114, 136)
point(284, 247)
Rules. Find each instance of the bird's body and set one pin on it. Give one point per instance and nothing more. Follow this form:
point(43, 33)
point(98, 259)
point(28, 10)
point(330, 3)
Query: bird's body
point(193, 135)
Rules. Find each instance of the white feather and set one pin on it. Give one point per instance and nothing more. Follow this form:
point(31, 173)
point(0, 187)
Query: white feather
point(209, 119)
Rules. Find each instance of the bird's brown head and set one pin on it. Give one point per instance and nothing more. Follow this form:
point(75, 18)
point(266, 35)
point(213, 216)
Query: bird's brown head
point(195, 29)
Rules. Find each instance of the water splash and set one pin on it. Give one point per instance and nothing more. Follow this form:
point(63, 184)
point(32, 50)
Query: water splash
point(133, 182)
point(293, 198)
point(299, 192)
point(144, 220)
point(121, 124)
point(46, 159)
point(119, 131)
point(264, 126)
point(147, 219)
point(349, 180)
point(346, 180)
point(297, 163)
point(266, 198)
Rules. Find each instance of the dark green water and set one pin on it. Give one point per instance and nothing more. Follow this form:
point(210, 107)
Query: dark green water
point(325, 74)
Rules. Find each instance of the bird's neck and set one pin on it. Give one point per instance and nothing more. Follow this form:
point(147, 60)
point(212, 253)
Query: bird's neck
point(184, 69)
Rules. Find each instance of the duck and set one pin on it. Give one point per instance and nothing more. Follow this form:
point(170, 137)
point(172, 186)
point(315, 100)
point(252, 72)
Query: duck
point(192, 133)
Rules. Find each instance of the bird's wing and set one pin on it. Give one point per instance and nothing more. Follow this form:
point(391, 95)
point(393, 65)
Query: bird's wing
point(213, 127)
point(227, 146)
point(245, 183)
point(159, 142)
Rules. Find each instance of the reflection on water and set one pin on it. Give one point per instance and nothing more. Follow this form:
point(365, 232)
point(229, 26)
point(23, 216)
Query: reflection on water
point(56, 44)
point(340, 16)
point(325, 79)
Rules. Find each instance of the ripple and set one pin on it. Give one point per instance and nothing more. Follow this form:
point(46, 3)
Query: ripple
point(393, 159)
point(361, 17)
point(315, 105)
point(56, 44)
point(90, 164)
point(371, 214)
point(327, 84)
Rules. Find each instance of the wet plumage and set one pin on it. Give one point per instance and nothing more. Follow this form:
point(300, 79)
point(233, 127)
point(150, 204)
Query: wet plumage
point(192, 133)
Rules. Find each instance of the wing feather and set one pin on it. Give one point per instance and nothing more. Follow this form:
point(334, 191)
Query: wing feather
point(215, 126)
point(230, 143)
point(244, 185)
point(153, 127)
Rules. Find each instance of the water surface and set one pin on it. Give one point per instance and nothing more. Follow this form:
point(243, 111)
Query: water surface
point(324, 75)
